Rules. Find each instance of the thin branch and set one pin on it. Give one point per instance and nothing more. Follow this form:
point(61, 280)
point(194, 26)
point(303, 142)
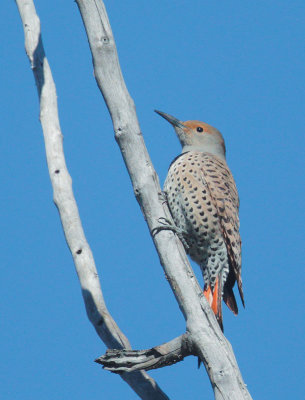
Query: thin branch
point(210, 344)
point(166, 354)
point(64, 199)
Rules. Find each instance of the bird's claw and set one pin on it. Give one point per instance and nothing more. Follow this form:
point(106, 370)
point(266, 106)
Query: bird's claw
point(167, 225)
point(162, 197)
point(166, 222)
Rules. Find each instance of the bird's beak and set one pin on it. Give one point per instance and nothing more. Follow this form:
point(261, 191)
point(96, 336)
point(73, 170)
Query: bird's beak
point(172, 120)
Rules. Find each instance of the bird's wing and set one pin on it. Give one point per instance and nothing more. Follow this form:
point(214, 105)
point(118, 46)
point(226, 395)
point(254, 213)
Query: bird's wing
point(222, 188)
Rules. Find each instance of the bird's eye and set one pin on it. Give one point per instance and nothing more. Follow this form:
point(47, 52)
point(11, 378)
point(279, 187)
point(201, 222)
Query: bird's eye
point(199, 129)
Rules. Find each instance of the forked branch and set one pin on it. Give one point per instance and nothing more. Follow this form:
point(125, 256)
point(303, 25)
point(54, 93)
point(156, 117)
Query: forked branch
point(166, 354)
point(209, 343)
point(64, 199)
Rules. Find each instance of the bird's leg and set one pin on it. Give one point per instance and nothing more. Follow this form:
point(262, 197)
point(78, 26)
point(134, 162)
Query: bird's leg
point(167, 225)
point(162, 197)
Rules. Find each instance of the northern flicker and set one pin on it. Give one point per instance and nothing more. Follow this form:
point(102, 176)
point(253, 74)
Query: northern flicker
point(203, 200)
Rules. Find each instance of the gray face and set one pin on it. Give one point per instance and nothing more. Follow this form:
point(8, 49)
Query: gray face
point(197, 136)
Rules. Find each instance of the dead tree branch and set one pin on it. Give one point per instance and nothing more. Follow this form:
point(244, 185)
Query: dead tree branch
point(209, 343)
point(166, 354)
point(64, 199)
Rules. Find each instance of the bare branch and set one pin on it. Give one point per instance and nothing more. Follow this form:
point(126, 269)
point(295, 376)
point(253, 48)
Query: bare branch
point(209, 343)
point(166, 354)
point(64, 199)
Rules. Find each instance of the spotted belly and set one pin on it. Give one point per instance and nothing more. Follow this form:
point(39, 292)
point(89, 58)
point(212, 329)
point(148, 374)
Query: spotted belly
point(196, 216)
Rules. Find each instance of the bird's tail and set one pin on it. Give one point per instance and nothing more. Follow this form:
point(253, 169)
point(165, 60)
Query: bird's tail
point(229, 299)
point(214, 299)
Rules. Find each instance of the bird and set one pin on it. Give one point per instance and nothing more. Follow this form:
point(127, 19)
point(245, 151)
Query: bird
point(203, 201)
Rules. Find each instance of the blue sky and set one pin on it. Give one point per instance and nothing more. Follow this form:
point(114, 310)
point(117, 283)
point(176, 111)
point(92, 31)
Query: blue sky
point(236, 65)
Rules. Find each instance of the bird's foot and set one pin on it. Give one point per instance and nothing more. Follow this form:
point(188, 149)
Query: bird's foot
point(167, 225)
point(162, 197)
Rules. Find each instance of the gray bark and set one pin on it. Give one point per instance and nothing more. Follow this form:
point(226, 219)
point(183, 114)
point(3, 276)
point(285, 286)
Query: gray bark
point(202, 329)
point(166, 354)
point(64, 199)
point(209, 343)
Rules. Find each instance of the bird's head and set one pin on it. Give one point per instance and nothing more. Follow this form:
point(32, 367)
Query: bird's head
point(197, 136)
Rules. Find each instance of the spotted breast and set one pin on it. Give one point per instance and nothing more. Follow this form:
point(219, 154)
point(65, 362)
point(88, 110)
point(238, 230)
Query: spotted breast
point(204, 203)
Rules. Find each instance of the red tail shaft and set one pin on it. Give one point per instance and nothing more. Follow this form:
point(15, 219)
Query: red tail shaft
point(214, 299)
